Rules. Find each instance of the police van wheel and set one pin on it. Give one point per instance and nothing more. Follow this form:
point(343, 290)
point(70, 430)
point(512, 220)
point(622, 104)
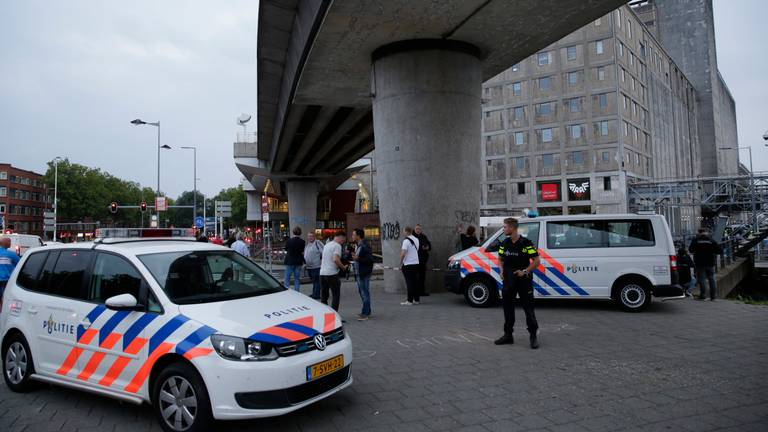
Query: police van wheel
point(181, 400)
point(479, 293)
point(633, 296)
point(17, 364)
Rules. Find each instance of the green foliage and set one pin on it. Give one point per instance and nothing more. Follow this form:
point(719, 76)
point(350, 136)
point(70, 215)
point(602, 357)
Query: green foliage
point(85, 194)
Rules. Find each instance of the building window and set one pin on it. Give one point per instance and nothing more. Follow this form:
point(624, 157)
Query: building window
point(544, 83)
point(629, 29)
point(516, 67)
point(3, 175)
point(599, 47)
point(521, 188)
point(618, 17)
point(604, 128)
point(547, 160)
point(519, 113)
point(601, 73)
point(3, 191)
point(519, 138)
point(575, 131)
point(517, 88)
point(519, 163)
point(578, 157)
point(606, 156)
point(598, 22)
point(546, 135)
point(625, 101)
point(544, 109)
point(626, 129)
point(607, 183)
point(621, 49)
point(571, 52)
point(2, 209)
point(574, 105)
point(634, 108)
point(573, 78)
point(497, 194)
point(603, 100)
point(543, 59)
point(634, 83)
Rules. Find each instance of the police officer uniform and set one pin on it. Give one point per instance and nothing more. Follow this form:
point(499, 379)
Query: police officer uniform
point(514, 256)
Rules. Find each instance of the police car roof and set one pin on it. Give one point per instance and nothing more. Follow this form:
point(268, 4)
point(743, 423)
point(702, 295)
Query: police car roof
point(139, 246)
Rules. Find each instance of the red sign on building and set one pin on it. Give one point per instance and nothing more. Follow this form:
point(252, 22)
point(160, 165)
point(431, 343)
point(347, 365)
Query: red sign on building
point(550, 191)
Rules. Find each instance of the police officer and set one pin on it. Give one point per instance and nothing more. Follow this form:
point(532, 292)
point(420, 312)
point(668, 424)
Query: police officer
point(518, 258)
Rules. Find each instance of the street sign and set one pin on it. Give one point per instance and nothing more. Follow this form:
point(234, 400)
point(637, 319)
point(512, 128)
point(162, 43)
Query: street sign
point(47, 227)
point(49, 215)
point(199, 222)
point(265, 217)
point(223, 208)
point(161, 204)
point(265, 204)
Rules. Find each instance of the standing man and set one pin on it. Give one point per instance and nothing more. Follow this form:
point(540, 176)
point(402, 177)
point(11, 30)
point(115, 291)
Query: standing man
point(364, 258)
point(409, 262)
point(240, 247)
point(8, 261)
point(313, 255)
point(330, 266)
point(424, 247)
point(294, 259)
point(704, 249)
point(518, 257)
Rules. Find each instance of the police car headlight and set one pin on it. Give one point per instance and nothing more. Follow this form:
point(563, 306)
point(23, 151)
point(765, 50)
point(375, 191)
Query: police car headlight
point(236, 348)
point(454, 265)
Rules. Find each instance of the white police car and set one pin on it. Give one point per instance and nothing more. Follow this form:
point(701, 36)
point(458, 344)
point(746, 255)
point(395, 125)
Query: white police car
point(195, 329)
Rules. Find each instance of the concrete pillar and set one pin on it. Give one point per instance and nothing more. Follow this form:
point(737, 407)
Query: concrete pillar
point(302, 204)
point(426, 119)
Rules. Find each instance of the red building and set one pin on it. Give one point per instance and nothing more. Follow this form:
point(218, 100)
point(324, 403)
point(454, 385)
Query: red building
point(23, 200)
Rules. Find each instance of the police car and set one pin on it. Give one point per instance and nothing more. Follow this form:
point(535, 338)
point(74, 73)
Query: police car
point(628, 258)
point(194, 329)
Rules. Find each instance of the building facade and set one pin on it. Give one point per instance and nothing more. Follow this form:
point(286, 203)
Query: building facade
point(23, 200)
point(566, 129)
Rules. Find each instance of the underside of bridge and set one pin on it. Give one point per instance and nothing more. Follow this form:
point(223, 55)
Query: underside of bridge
point(336, 76)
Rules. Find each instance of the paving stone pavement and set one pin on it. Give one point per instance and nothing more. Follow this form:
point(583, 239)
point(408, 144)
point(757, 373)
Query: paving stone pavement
point(680, 366)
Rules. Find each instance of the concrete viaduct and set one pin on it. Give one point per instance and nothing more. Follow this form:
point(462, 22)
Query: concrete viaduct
point(335, 77)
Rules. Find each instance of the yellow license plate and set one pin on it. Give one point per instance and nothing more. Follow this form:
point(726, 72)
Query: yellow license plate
point(324, 368)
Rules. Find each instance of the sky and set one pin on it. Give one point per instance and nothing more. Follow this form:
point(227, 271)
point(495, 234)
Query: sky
point(73, 74)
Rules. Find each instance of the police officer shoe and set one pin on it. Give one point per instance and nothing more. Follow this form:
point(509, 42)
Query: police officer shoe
point(504, 340)
point(534, 342)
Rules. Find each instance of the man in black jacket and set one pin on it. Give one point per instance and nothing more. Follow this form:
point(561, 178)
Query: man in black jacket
point(363, 256)
point(704, 249)
point(424, 248)
point(294, 259)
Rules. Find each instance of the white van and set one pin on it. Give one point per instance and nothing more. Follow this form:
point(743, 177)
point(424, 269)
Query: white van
point(20, 243)
point(625, 257)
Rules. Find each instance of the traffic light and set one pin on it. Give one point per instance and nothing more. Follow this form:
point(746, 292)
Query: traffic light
point(113, 207)
point(143, 206)
point(247, 229)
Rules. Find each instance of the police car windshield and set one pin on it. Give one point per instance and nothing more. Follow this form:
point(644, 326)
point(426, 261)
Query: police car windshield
point(208, 276)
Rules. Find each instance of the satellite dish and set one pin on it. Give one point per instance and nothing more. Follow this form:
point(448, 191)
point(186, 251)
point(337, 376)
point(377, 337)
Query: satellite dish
point(243, 119)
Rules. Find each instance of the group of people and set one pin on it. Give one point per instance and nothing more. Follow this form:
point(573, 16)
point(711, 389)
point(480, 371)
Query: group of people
point(327, 263)
point(705, 251)
point(414, 255)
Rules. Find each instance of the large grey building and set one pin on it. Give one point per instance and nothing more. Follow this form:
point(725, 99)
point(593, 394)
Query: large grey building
point(565, 130)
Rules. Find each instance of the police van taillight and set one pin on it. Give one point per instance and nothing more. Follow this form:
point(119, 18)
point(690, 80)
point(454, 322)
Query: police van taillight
point(673, 262)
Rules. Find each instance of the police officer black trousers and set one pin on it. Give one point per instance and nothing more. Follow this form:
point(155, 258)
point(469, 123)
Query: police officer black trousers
point(515, 286)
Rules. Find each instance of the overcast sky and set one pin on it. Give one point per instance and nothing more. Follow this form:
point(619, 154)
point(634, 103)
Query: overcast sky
point(74, 73)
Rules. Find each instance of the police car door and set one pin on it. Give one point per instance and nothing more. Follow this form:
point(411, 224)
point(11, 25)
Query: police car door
point(115, 354)
point(64, 315)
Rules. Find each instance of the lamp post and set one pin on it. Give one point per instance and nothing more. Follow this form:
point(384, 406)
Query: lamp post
point(194, 173)
point(55, 195)
point(751, 186)
point(138, 122)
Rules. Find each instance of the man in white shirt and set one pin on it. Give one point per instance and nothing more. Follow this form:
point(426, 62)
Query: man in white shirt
point(409, 262)
point(330, 265)
point(240, 246)
point(313, 256)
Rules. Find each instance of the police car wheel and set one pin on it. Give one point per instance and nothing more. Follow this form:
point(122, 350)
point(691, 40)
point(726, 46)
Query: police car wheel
point(181, 400)
point(479, 293)
point(17, 364)
point(633, 296)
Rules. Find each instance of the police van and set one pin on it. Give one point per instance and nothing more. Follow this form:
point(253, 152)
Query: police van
point(196, 330)
point(627, 258)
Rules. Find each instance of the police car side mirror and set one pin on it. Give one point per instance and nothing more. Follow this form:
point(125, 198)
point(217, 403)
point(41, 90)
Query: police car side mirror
point(123, 302)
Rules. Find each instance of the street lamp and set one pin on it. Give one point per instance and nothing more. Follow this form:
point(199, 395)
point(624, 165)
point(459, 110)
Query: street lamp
point(194, 173)
point(55, 194)
point(138, 122)
point(751, 184)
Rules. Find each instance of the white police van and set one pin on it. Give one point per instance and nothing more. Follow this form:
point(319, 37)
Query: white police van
point(195, 329)
point(625, 257)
